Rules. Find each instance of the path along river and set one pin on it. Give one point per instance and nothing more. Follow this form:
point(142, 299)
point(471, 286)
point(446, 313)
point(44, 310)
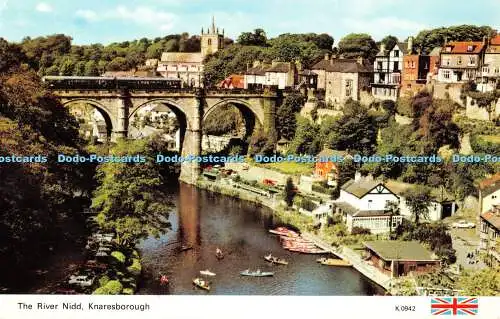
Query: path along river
point(205, 221)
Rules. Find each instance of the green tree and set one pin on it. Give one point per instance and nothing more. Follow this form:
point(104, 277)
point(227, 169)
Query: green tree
point(258, 38)
point(129, 199)
point(10, 55)
point(286, 115)
point(118, 64)
point(418, 200)
point(91, 68)
point(358, 44)
point(389, 41)
point(393, 208)
point(483, 282)
point(304, 141)
point(289, 192)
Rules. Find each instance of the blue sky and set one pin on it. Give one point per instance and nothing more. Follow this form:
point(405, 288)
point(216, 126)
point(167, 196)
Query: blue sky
point(106, 21)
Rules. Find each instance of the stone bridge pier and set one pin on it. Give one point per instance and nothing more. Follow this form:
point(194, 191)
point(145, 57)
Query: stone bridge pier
point(118, 107)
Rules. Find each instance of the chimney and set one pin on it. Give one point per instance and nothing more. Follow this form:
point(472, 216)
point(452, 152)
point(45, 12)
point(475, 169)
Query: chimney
point(256, 63)
point(382, 48)
point(445, 40)
point(485, 40)
point(357, 176)
point(359, 60)
point(327, 56)
point(410, 45)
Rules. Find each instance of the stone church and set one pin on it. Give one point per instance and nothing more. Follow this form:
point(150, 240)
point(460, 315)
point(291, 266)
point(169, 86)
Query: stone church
point(188, 66)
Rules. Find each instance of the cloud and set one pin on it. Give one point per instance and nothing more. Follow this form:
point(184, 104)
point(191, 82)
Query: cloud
point(87, 15)
point(142, 15)
point(44, 7)
point(380, 27)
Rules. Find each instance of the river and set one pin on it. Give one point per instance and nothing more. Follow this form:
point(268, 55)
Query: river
point(205, 221)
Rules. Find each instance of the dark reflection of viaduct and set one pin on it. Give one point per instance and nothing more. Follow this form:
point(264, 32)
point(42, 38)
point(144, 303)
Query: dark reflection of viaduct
point(189, 215)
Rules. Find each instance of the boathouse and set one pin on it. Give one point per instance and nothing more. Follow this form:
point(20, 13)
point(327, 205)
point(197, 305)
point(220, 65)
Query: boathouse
point(399, 258)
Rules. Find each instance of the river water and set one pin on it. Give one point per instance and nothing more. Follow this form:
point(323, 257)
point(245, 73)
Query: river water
point(205, 221)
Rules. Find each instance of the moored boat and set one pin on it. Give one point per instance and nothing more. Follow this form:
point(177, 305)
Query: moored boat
point(201, 283)
point(283, 231)
point(334, 262)
point(186, 247)
point(257, 273)
point(207, 273)
point(275, 260)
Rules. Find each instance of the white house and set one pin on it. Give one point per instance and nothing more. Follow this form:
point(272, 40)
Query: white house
point(279, 74)
point(442, 204)
point(489, 193)
point(387, 70)
point(362, 203)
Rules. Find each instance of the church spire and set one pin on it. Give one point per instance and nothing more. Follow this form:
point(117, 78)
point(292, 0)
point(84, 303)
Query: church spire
point(213, 24)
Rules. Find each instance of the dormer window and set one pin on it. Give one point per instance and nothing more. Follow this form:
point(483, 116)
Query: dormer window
point(448, 49)
point(470, 48)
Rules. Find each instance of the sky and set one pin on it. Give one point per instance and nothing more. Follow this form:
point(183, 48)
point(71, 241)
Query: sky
point(106, 21)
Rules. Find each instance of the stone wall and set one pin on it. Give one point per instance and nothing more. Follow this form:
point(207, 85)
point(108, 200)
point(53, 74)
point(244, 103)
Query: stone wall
point(453, 90)
point(473, 111)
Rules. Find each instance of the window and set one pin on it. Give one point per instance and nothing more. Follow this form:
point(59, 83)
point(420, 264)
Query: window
point(379, 65)
point(459, 60)
point(348, 88)
point(396, 66)
point(497, 70)
point(396, 53)
point(472, 60)
point(209, 41)
point(446, 74)
point(448, 49)
point(470, 48)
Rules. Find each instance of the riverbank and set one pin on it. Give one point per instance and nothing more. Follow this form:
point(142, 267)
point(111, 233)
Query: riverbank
point(305, 225)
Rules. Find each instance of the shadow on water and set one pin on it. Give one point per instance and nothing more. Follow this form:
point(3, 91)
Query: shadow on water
point(207, 221)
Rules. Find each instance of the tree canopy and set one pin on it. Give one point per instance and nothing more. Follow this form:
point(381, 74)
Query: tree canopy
point(358, 44)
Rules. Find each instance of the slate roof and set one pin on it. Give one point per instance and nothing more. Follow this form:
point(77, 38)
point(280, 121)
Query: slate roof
point(343, 66)
point(354, 212)
point(490, 185)
point(361, 187)
point(493, 216)
point(495, 40)
point(279, 67)
point(258, 70)
point(329, 152)
point(460, 47)
point(181, 57)
point(400, 250)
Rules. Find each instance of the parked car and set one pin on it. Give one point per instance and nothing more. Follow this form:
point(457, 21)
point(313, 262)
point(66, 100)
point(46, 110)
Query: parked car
point(463, 224)
point(81, 280)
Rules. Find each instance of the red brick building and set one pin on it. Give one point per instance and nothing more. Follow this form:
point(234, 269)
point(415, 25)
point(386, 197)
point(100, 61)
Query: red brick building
point(399, 258)
point(327, 170)
point(415, 70)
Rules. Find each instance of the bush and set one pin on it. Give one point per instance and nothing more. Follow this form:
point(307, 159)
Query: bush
point(479, 145)
point(103, 281)
point(113, 287)
point(403, 106)
point(118, 256)
point(307, 204)
point(360, 231)
point(136, 268)
point(128, 291)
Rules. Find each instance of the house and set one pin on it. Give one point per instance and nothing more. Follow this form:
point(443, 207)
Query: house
point(387, 70)
point(343, 79)
point(489, 234)
point(234, 81)
point(461, 62)
point(307, 79)
point(255, 76)
point(188, 66)
point(442, 205)
point(416, 70)
point(326, 168)
point(278, 75)
point(400, 258)
point(489, 193)
point(362, 203)
point(490, 75)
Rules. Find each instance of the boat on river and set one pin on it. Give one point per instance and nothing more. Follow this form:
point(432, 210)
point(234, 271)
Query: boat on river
point(207, 273)
point(275, 260)
point(283, 231)
point(186, 247)
point(257, 273)
point(308, 250)
point(201, 283)
point(334, 262)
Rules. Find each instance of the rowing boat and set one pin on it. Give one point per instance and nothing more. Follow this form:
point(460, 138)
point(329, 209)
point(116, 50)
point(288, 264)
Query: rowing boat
point(256, 273)
point(282, 231)
point(203, 284)
point(275, 260)
point(207, 273)
point(334, 262)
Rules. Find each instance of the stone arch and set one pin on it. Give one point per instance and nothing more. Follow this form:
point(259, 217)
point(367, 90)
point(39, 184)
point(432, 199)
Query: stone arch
point(106, 114)
point(178, 110)
point(250, 113)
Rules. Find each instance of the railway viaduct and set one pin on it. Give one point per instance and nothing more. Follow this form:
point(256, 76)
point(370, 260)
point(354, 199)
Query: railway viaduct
point(190, 106)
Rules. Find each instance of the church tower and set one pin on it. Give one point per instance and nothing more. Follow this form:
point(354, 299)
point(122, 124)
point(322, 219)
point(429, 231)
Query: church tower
point(211, 41)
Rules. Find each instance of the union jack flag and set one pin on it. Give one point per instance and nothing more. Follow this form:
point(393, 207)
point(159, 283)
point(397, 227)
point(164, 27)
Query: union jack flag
point(454, 306)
